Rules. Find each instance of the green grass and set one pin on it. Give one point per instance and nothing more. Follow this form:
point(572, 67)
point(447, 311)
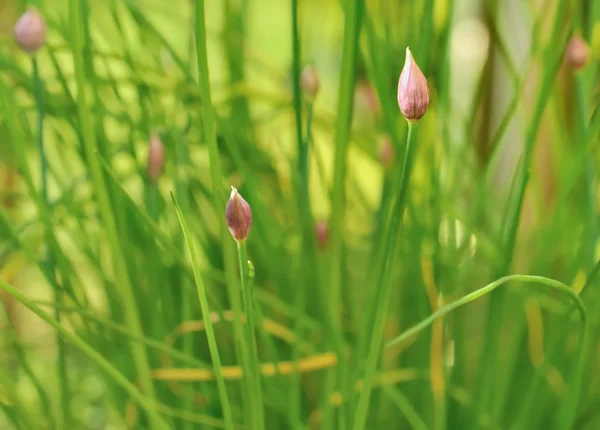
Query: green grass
point(457, 288)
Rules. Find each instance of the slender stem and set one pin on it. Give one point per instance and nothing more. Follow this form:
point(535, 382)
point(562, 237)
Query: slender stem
point(210, 332)
point(181, 186)
point(104, 204)
point(38, 86)
point(303, 206)
point(145, 403)
point(296, 81)
point(471, 297)
point(210, 137)
point(383, 298)
point(253, 371)
point(342, 136)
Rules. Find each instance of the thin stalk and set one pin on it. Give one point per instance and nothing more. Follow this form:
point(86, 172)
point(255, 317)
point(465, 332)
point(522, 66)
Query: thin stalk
point(63, 388)
point(471, 297)
point(303, 202)
point(253, 372)
point(350, 54)
point(146, 404)
point(104, 205)
point(342, 136)
point(209, 118)
point(210, 332)
point(296, 81)
point(385, 284)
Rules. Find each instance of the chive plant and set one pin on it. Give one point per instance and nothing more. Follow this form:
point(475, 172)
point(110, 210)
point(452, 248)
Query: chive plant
point(424, 245)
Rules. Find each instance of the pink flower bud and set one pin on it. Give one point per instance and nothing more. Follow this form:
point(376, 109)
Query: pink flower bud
point(366, 101)
point(386, 152)
point(238, 215)
point(156, 158)
point(30, 31)
point(309, 81)
point(322, 234)
point(413, 92)
point(577, 54)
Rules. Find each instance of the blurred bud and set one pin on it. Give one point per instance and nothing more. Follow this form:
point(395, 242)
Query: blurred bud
point(156, 158)
point(366, 101)
point(309, 81)
point(30, 31)
point(578, 53)
point(413, 92)
point(238, 215)
point(386, 151)
point(322, 234)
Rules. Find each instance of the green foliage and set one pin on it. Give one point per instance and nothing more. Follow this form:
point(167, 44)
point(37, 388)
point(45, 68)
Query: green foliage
point(127, 305)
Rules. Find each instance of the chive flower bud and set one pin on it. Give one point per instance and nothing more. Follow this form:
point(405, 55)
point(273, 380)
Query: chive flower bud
point(413, 92)
point(322, 234)
point(577, 53)
point(30, 31)
point(309, 81)
point(238, 215)
point(156, 158)
point(386, 151)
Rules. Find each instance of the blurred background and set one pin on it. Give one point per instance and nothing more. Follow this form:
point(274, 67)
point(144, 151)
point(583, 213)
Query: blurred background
point(101, 325)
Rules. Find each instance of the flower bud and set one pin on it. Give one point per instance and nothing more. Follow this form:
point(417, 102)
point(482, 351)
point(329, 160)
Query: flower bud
point(238, 215)
point(156, 158)
point(386, 151)
point(322, 234)
point(413, 92)
point(30, 31)
point(309, 81)
point(366, 101)
point(577, 53)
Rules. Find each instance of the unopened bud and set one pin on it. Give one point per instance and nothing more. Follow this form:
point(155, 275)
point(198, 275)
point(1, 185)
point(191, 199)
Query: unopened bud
point(322, 234)
point(386, 151)
point(156, 158)
point(577, 53)
point(413, 92)
point(309, 81)
point(366, 101)
point(238, 215)
point(30, 31)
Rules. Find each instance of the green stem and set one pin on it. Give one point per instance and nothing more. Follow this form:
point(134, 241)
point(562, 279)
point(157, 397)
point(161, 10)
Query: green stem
point(253, 371)
point(296, 81)
point(145, 403)
point(210, 136)
point(303, 206)
point(38, 86)
point(557, 285)
point(181, 186)
point(342, 136)
point(210, 332)
point(104, 205)
point(385, 284)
